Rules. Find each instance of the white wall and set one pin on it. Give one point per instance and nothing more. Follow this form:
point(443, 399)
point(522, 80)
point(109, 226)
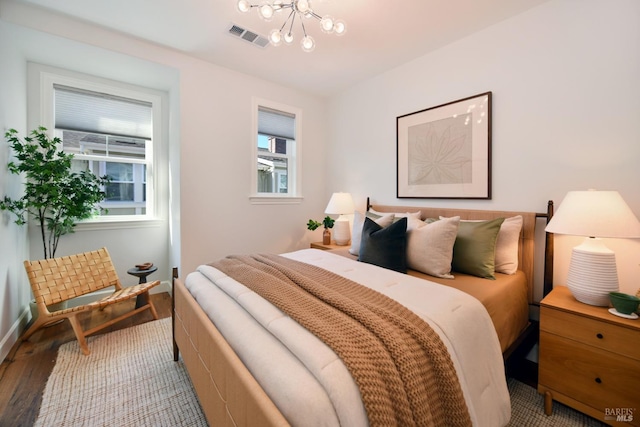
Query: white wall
point(217, 216)
point(14, 296)
point(209, 154)
point(566, 102)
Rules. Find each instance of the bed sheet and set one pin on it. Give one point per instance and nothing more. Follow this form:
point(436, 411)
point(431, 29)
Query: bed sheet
point(504, 298)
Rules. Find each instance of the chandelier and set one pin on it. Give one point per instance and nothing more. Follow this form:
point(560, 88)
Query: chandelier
point(299, 10)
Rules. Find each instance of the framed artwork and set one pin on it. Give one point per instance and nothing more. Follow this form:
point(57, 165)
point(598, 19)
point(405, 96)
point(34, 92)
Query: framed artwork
point(444, 152)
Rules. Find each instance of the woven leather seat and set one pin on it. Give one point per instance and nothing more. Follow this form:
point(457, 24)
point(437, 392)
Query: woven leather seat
point(60, 279)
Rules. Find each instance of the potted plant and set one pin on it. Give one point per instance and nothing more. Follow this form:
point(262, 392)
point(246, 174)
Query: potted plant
point(328, 223)
point(55, 195)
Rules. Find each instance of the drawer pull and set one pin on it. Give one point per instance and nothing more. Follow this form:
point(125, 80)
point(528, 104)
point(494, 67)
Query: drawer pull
point(600, 336)
point(598, 380)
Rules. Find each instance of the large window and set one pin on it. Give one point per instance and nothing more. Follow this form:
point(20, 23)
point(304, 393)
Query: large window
point(276, 149)
point(111, 130)
point(108, 135)
point(122, 159)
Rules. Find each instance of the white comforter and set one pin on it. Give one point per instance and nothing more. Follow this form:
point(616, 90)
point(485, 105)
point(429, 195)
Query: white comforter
point(306, 379)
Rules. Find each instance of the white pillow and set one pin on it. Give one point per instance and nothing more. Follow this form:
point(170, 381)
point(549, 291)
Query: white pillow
point(507, 244)
point(430, 245)
point(356, 232)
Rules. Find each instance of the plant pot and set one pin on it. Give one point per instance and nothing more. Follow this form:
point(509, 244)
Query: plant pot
point(326, 237)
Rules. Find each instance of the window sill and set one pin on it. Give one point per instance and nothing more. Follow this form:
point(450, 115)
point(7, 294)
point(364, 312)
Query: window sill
point(115, 223)
point(263, 199)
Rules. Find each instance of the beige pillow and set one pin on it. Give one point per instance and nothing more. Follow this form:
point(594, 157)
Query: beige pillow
point(430, 245)
point(506, 257)
point(417, 214)
point(358, 222)
point(508, 244)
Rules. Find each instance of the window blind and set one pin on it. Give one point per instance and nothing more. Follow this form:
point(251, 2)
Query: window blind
point(87, 111)
point(276, 123)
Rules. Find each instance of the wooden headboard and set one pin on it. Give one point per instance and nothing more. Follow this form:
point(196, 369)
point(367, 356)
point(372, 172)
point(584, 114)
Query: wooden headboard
point(526, 252)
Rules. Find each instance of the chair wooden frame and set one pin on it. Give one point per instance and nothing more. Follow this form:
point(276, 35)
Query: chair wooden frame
point(55, 280)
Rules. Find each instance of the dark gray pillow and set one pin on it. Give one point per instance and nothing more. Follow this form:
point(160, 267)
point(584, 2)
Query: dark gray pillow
point(385, 247)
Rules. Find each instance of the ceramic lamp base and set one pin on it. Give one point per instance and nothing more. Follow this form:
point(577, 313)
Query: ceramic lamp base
point(341, 232)
point(592, 273)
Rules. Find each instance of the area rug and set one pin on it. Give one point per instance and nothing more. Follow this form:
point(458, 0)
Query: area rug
point(527, 410)
point(130, 379)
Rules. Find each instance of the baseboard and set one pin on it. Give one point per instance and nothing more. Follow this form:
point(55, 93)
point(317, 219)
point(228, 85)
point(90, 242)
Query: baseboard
point(14, 333)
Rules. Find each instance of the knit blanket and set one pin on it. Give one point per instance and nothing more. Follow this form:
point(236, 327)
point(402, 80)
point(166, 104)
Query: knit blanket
point(402, 368)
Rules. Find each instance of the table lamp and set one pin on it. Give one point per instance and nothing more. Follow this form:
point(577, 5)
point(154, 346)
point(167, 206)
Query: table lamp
point(341, 204)
point(594, 214)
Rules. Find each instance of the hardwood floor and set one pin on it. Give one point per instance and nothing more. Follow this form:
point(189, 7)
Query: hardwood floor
point(24, 373)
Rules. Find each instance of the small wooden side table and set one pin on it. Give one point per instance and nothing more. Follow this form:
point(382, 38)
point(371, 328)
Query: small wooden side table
point(142, 299)
point(322, 246)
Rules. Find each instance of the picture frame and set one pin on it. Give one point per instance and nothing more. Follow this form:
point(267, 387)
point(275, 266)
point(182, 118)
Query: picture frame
point(444, 152)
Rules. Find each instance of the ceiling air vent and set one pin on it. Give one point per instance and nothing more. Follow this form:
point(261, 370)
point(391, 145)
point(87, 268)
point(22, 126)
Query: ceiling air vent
point(248, 36)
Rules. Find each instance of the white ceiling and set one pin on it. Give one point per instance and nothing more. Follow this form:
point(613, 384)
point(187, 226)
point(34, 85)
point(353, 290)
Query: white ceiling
point(381, 34)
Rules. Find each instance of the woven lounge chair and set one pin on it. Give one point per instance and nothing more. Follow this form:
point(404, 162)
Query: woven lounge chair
point(60, 279)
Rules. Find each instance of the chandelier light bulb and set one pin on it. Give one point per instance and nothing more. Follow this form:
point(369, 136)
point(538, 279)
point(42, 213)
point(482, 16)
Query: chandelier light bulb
point(244, 5)
point(302, 6)
point(327, 24)
point(288, 38)
point(266, 11)
point(308, 44)
point(339, 27)
point(275, 37)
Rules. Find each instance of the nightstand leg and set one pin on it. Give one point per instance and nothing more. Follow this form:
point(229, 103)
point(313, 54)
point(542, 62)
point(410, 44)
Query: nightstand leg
point(548, 403)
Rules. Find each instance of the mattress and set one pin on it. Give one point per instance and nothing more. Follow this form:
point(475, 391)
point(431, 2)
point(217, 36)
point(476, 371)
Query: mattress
point(306, 380)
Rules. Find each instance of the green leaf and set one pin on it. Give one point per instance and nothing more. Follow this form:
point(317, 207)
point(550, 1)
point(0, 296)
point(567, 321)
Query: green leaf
point(312, 225)
point(328, 222)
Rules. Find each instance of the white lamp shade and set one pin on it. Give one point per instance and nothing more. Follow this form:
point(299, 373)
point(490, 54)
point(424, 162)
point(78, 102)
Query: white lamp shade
point(340, 204)
point(594, 214)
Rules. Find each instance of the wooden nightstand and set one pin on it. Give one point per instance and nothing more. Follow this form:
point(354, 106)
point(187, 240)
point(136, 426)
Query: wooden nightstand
point(589, 359)
point(320, 245)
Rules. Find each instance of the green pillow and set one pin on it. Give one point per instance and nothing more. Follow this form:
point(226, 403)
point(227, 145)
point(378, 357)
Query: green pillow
point(474, 251)
point(385, 247)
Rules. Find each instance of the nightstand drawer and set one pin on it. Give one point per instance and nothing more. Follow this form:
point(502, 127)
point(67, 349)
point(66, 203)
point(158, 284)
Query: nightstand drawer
point(593, 332)
point(597, 378)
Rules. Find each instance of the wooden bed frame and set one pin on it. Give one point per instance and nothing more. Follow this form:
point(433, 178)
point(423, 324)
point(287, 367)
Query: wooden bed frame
point(230, 396)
